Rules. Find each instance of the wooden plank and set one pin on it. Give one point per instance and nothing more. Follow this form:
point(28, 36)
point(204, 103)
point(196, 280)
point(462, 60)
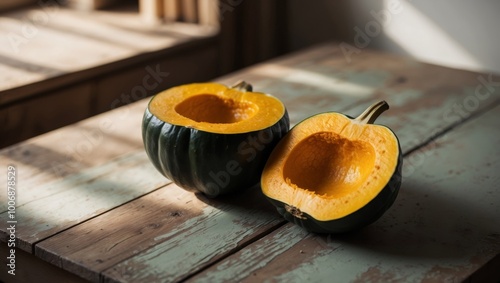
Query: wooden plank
point(100, 243)
point(28, 118)
point(32, 269)
point(104, 41)
point(310, 82)
point(78, 179)
point(67, 202)
point(69, 150)
point(442, 227)
point(171, 229)
point(279, 251)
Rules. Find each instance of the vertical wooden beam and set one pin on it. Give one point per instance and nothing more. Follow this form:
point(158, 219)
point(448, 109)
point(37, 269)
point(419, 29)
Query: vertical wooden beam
point(171, 10)
point(269, 33)
point(190, 11)
point(251, 31)
point(151, 11)
point(230, 29)
point(208, 12)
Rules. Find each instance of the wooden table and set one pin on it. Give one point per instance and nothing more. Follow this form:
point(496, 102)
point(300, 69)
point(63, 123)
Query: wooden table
point(89, 203)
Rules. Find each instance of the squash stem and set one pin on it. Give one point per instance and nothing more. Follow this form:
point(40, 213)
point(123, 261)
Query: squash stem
point(242, 86)
point(371, 113)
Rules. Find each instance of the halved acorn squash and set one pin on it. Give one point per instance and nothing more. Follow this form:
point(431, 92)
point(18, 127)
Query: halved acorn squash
point(332, 173)
point(210, 138)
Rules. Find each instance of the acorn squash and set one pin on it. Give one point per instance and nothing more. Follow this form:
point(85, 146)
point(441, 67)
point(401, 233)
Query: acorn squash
point(210, 138)
point(332, 173)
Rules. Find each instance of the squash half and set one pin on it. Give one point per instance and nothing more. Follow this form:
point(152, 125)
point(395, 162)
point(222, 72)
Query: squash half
point(212, 138)
point(332, 173)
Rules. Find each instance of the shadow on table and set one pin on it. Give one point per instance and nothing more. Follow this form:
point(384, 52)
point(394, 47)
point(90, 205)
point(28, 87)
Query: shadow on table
point(427, 223)
point(250, 199)
point(422, 223)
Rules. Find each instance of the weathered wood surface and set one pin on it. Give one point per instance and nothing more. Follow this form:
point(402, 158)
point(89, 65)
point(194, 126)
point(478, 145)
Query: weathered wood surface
point(443, 227)
point(127, 235)
point(84, 55)
point(100, 38)
point(64, 203)
point(32, 269)
point(180, 231)
point(66, 151)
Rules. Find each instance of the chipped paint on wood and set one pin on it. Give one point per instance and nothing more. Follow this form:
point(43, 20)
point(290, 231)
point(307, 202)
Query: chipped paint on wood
point(100, 243)
point(440, 228)
point(247, 262)
point(191, 246)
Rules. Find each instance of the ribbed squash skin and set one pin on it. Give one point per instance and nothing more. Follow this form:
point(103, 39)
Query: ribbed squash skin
point(191, 158)
point(356, 220)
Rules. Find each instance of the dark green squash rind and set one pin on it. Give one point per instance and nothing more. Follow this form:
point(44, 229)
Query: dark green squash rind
point(199, 161)
point(356, 220)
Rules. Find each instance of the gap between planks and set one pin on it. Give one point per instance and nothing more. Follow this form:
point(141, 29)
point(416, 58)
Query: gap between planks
point(444, 131)
point(33, 247)
point(408, 151)
point(487, 269)
point(474, 115)
point(235, 250)
point(279, 226)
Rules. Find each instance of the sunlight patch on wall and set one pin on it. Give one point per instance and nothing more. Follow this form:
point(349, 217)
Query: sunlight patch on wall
point(423, 39)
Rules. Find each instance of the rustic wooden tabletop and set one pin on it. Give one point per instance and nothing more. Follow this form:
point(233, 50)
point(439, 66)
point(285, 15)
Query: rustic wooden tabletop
point(89, 203)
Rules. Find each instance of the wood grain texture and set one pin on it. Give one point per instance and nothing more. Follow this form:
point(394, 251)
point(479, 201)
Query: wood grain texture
point(320, 80)
point(104, 40)
point(70, 150)
point(225, 226)
point(106, 240)
point(437, 227)
point(21, 121)
point(32, 269)
point(70, 201)
point(172, 230)
point(442, 228)
point(279, 251)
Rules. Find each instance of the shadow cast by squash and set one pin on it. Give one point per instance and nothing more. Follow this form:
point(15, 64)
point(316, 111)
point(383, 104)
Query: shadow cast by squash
point(249, 200)
point(426, 223)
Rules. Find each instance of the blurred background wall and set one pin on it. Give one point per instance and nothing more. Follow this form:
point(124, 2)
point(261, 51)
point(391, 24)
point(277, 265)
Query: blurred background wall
point(455, 33)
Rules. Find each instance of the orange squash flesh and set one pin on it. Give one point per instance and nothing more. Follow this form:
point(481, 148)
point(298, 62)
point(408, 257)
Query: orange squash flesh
point(215, 108)
point(329, 166)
